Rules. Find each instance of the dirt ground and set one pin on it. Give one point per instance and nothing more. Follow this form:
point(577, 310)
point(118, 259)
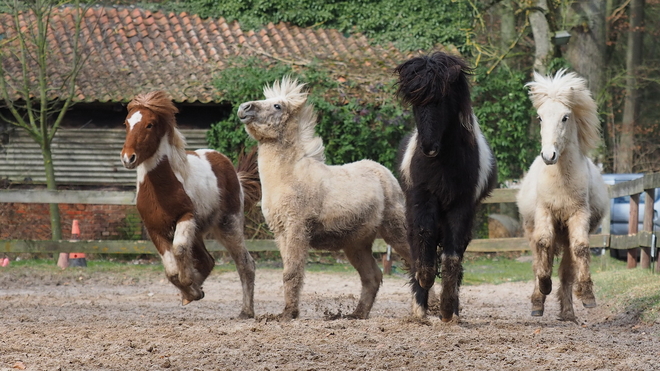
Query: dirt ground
point(109, 322)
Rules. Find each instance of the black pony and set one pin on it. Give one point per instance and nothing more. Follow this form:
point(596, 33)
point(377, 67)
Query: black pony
point(446, 170)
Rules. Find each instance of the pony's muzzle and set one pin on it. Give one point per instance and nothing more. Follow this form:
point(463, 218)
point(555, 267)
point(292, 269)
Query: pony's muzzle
point(551, 158)
point(245, 113)
point(431, 152)
point(129, 162)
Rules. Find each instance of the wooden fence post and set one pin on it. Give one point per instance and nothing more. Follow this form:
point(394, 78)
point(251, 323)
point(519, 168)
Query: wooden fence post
point(633, 220)
point(649, 195)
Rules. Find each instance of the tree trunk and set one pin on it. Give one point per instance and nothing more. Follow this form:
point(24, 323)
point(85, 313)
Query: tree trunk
point(508, 26)
point(623, 161)
point(55, 223)
point(541, 31)
point(586, 50)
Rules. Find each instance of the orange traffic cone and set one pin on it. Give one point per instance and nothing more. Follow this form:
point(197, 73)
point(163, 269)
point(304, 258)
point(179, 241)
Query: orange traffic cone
point(76, 259)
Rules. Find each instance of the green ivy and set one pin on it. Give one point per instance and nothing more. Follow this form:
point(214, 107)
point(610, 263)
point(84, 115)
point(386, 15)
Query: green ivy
point(505, 112)
point(409, 24)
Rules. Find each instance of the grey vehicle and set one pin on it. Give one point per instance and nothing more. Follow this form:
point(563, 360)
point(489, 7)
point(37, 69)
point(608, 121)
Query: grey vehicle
point(620, 210)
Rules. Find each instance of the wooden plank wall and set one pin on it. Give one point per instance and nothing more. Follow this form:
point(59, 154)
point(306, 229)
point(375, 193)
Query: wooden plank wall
point(81, 157)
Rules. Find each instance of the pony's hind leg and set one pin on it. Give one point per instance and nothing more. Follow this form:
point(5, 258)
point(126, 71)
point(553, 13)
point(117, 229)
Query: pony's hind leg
point(360, 256)
point(230, 235)
point(393, 231)
point(565, 292)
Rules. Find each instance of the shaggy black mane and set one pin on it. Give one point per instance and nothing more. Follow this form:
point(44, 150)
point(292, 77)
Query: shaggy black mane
point(429, 79)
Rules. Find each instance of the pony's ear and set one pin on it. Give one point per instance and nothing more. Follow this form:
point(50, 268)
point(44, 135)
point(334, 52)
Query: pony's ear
point(454, 72)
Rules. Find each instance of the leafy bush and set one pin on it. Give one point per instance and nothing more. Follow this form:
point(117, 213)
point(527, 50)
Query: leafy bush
point(505, 113)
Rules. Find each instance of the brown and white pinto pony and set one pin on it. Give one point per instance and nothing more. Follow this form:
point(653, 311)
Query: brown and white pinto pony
point(181, 196)
point(563, 197)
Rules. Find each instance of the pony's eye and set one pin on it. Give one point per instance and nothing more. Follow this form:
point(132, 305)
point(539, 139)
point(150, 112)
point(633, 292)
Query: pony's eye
point(539, 118)
point(564, 119)
point(277, 106)
point(149, 125)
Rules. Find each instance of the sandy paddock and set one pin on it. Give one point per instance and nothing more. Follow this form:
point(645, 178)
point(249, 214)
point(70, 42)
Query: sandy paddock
point(121, 322)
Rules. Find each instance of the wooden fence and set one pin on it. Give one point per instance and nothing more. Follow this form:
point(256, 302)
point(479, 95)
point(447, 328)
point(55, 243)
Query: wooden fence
point(643, 241)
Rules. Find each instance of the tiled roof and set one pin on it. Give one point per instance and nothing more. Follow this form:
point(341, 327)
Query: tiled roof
point(133, 50)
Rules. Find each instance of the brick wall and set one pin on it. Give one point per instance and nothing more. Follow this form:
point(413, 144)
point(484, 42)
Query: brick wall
point(97, 222)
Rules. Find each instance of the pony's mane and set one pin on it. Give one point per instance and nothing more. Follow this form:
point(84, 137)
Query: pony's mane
point(291, 91)
point(572, 91)
point(430, 79)
point(160, 104)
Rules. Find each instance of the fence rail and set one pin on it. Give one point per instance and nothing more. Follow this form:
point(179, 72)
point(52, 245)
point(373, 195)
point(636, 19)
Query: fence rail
point(633, 242)
point(146, 247)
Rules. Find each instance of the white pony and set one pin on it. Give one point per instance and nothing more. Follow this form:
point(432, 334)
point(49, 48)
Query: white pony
point(308, 204)
point(563, 197)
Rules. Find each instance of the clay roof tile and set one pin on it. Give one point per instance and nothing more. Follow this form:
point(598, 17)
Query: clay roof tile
point(131, 50)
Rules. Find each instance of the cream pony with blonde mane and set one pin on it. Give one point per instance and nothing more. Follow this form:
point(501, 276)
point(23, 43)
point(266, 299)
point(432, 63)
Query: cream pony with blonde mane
point(308, 204)
point(563, 197)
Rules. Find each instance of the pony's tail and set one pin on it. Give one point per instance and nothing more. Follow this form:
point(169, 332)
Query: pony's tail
point(248, 175)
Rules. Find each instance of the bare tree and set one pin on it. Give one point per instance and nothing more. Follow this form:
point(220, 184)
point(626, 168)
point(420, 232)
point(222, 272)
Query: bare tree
point(38, 92)
point(586, 51)
point(541, 30)
point(623, 160)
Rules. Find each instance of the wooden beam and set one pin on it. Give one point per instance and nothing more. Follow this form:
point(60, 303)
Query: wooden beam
point(628, 188)
point(68, 197)
point(111, 246)
point(633, 220)
point(649, 195)
point(146, 247)
point(502, 195)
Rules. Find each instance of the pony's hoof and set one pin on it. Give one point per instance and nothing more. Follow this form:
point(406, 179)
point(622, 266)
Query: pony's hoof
point(545, 285)
point(426, 277)
point(589, 303)
point(537, 313)
point(356, 316)
point(246, 315)
point(288, 315)
point(451, 319)
point(568, 318)
point(189, 297)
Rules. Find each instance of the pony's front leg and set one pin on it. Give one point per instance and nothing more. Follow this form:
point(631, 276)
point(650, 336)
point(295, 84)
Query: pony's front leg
point(423, 237)
point(566, 278)
point(182, 245)
point(293, 248)
point(578, 229)
point(542, 236)
point(457, 229)
point(173, 268)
